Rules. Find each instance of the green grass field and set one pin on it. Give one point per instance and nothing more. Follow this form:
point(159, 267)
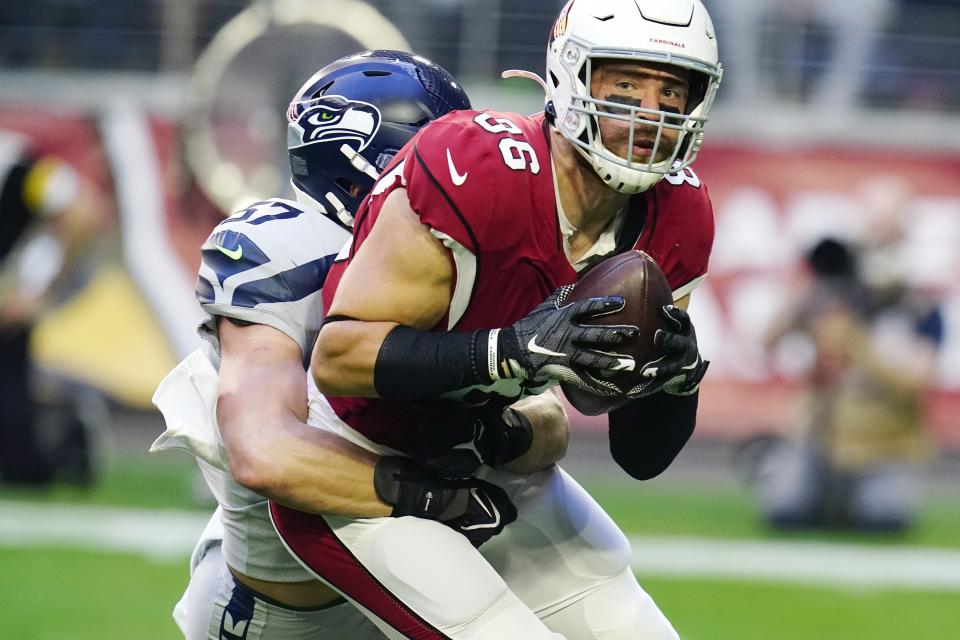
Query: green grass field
point(143, 480)
point(55, 593)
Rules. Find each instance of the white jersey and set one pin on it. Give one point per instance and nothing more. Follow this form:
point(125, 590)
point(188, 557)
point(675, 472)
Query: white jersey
point(266, 265)
point(263, 265)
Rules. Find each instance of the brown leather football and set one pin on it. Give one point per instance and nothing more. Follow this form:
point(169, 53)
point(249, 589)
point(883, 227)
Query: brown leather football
point(635, 276)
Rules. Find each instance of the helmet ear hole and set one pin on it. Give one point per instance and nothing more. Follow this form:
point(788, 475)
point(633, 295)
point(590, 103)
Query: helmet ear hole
point(698, 91)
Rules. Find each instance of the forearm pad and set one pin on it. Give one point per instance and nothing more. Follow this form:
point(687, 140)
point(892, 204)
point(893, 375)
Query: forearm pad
point(409, 488)
point(414, 364)
point(476, 509)
point(648, 433)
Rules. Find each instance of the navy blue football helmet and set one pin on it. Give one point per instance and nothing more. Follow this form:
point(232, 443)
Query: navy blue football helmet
point(349, 120)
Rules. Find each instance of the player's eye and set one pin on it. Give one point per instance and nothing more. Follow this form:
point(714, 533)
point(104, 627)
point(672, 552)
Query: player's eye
point(625, 85)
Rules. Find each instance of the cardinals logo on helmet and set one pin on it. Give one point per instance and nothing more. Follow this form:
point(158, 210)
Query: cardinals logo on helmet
point(334, 118)
point(560, 26)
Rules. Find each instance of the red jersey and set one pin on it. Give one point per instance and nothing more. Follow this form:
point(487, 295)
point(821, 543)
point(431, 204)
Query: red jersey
point(483, 183)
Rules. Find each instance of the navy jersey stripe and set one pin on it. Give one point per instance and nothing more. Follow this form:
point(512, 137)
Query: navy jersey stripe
point(288, 286)
point(204, 291)
point(238, 614)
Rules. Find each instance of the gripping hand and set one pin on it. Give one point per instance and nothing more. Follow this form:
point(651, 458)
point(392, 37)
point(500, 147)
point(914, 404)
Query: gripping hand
point(551, 343)
point(456, 439)
point(474, 508)
point(680, 371)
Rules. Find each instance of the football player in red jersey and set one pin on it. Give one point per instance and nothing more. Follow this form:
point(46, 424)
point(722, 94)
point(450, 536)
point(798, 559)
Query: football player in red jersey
point(478, 219)
point(239, 403)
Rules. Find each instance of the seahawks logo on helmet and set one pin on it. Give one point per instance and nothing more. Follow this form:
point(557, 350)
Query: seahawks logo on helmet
point(334, 118)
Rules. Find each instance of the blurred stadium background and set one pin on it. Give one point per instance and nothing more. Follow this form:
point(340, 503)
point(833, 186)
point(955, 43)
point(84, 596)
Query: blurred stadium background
point(175, 111)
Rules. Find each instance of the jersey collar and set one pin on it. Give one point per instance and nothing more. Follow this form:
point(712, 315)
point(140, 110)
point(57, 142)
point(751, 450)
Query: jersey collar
point(605, 244)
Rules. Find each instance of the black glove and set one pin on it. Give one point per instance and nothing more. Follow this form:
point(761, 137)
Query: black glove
point(456, 439)
point(680, 371)
point(549, 342)
point(475, 508)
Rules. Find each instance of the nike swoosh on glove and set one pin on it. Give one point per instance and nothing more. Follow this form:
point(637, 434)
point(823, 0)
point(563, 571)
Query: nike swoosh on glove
point(479, 512)
point(475, 508)
point(680, 371)
point(551, 343)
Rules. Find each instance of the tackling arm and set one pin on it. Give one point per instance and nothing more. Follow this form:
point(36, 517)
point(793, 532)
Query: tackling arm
point(262, 409)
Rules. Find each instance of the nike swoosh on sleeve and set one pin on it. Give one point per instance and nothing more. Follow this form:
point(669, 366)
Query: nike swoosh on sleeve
point(455, 176)
point(233, 254)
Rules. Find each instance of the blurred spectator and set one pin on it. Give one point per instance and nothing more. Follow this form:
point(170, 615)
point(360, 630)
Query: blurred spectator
point(854, 461)
point(836, 66)
point(47, 220)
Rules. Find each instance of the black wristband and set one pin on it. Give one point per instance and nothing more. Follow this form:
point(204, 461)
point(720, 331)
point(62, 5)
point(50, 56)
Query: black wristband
point(423, 364)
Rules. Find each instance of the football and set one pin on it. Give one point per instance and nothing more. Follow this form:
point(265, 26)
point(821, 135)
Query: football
point(637, 277)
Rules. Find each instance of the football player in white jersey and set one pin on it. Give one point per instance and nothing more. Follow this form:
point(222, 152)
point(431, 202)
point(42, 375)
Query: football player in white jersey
point(240, 404)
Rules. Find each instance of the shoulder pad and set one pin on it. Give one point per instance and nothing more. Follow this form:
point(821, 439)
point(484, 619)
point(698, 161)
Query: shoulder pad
point(467, 169)
point(272, 251)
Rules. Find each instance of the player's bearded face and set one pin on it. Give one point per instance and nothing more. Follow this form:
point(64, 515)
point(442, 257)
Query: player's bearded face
point(657, 87)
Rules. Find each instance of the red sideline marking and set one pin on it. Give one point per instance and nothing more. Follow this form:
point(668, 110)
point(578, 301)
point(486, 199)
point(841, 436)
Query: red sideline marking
point(315, 544)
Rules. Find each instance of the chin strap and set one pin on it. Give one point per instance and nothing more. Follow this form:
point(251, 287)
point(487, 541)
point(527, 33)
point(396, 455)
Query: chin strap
point(359, 162)
point(339, 209)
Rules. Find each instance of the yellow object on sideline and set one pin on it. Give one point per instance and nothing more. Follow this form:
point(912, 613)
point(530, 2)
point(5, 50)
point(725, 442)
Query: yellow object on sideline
point(106, 337)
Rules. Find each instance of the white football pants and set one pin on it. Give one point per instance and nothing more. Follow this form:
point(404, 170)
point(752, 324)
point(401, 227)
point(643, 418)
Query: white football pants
point(216, 607)
point(561, 571)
